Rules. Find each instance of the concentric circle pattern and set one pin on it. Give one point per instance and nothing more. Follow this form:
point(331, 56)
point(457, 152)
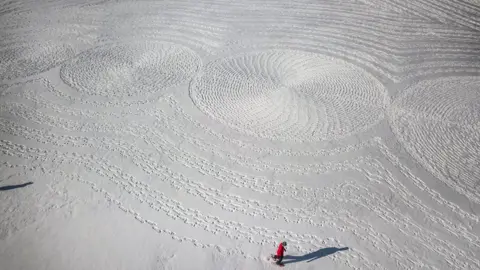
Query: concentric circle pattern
point(289, 95)
point(31, 58)
point(438, 122)
point(128, 70)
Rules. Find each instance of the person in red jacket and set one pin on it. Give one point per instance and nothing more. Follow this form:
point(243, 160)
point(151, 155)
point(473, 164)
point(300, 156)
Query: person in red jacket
point(280, 250)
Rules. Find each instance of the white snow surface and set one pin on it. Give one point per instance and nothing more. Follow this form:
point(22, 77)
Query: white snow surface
point(199, 134)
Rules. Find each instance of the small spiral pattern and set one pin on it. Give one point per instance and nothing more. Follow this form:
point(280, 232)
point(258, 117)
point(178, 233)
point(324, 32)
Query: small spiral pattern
point(29, 59)
point(121, 71)
point(437, 120)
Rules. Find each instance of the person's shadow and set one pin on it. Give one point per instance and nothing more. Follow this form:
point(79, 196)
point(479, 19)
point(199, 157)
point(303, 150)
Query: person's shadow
point(312, 255)
point(4, 188)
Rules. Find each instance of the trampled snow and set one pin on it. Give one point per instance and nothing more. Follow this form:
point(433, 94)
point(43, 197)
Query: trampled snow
point(201, 134)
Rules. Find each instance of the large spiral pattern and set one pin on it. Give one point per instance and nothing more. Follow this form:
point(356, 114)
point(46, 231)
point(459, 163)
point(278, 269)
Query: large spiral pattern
point(289, 95)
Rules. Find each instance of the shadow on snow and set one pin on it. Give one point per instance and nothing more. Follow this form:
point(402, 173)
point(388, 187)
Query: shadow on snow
point(4, 188)
point(312, 255)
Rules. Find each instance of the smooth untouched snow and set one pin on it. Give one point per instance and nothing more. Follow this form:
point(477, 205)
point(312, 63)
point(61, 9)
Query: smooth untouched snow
point(200, 134)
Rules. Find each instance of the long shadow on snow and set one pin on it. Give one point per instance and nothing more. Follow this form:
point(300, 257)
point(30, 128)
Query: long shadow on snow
point(4, 188)
point(312, 255)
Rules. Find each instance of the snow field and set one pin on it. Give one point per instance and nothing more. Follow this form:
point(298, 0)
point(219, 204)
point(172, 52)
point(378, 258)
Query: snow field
point(200, 134)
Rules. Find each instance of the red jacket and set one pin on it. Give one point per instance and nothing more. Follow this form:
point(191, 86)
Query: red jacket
point(280, 250)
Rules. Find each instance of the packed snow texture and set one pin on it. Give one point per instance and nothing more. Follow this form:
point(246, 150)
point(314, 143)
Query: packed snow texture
point(200, 134)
